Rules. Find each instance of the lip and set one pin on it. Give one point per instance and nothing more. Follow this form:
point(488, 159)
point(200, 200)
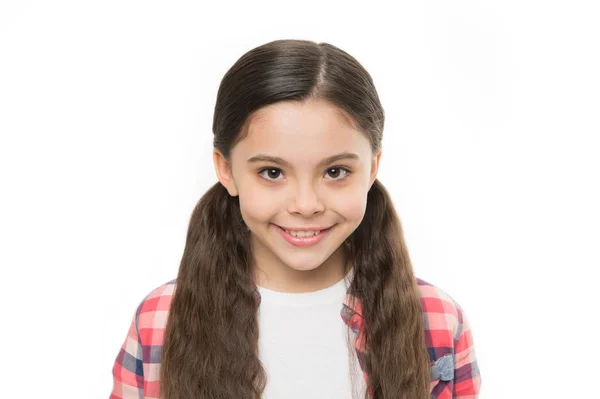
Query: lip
point(304, 241)
point(305, 228)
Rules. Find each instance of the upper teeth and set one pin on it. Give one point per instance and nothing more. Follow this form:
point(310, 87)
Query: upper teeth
point(303, 233)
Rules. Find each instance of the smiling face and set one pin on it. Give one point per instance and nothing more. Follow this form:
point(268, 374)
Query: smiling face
point(301, 165)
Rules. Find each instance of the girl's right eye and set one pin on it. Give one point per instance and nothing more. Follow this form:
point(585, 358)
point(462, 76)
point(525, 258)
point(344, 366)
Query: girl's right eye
point(271, 173)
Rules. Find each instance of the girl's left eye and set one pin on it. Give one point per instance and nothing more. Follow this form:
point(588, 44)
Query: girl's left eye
point(274, 172)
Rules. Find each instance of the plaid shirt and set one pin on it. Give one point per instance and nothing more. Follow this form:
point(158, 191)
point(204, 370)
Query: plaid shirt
point(454, 369)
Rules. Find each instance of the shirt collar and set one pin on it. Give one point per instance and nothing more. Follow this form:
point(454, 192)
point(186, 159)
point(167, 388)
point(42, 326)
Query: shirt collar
point(349, 310)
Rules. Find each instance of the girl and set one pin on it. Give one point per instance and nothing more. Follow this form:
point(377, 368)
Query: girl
point(295, 281)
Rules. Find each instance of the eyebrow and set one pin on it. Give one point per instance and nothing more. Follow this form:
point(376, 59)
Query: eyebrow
point(281, 161)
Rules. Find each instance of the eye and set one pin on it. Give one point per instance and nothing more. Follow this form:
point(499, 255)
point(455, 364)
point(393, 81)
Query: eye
point(271, 172)
point(339, 170)
point(335, 172)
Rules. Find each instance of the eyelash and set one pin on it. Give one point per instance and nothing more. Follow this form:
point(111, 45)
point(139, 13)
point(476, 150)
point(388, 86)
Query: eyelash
point(348, 173)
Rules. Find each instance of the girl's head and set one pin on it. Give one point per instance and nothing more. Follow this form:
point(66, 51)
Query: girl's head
point(300, 165)
point(297, 143)
point(298, 130)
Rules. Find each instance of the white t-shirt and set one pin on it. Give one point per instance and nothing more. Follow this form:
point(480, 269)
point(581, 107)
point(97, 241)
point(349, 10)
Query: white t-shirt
point(302, 345)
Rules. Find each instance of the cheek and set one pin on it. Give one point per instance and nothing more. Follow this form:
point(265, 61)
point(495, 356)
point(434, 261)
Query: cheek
point(350, 203)
point(257, 205)
point(258, 212)
point(351, 208)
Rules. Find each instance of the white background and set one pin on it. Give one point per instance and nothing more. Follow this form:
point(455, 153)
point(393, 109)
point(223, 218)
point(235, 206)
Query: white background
point(490, 154)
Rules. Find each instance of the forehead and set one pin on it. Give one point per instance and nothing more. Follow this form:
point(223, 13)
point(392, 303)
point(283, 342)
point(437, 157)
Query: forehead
point(293, 128)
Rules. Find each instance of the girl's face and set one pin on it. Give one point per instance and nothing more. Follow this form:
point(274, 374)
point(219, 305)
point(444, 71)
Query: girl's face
point(283, 177)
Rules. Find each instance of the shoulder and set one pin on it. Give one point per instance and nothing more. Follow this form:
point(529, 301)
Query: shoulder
point(152, 312)
point(444, 317)
point(450, 344)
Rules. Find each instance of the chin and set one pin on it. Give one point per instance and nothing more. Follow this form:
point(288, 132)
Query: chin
point(302, 265)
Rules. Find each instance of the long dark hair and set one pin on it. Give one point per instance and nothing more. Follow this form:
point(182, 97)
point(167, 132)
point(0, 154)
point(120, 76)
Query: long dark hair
point(211, 338)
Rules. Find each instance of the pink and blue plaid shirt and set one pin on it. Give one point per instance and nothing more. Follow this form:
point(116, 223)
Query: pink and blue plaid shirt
point(454, 369)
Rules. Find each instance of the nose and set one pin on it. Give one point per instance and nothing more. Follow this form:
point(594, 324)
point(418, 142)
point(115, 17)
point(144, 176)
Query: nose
point(306, 201)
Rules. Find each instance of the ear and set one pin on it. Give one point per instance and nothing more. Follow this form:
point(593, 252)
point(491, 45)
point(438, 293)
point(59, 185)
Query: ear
point(374, 168)
point(224, 174)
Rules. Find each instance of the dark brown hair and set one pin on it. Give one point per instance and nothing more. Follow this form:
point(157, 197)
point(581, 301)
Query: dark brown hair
point(211, 338)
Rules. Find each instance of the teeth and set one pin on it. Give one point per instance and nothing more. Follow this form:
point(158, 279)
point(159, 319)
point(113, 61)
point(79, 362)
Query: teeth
point(302, 233)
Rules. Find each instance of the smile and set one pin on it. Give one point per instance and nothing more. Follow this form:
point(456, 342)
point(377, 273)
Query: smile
point(308, 233)
point(303, 237)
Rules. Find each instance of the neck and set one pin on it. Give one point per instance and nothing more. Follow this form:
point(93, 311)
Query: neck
point(271, 273)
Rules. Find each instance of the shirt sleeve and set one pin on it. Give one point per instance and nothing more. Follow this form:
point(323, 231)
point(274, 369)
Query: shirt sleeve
point(467, 380)
point(128, 371)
